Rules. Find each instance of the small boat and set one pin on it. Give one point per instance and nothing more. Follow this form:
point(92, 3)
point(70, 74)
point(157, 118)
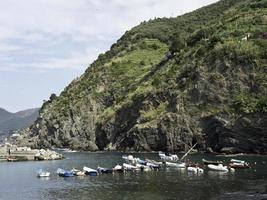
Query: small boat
point(118, 168)
point(153, 166)
point(90, 171)
point(239, 165)
point(77, 172)
point(171, 157)
point(237, 161)
point(64, 173)
point(195, 170)
point(154, 162)
point(12, 159)
point(142, 162)
point(41, 173)
point(143, 167)
point(178, 165)
point(218, 167)
point(129, 167)
point(212, 162)
point(130, 159)
point(104, 170)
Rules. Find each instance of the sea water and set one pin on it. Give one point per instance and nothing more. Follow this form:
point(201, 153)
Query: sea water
point(18, 180)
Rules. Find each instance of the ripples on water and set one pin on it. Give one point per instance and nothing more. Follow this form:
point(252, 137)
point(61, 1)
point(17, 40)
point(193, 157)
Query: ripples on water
point(19, 181)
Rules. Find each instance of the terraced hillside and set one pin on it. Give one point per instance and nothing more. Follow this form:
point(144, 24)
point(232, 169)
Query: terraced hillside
point(169, 83)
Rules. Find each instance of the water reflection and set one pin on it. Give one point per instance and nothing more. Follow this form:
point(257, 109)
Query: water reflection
point(218, 174)
point(44, 178)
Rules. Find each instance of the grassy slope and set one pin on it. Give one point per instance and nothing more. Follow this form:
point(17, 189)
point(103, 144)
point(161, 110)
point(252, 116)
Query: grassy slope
point(211, 59)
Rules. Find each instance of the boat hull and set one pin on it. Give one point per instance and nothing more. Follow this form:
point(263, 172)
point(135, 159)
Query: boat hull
point(219, 167)
point(177, 165)
point(90, 172)
point(211, 162)
point(239, 166)
point(105, 171)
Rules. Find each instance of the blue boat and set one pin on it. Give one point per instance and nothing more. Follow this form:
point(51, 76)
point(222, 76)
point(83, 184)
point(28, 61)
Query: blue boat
point(142, 162)
point(90, 172)
point(104, 170)
point(64, 173)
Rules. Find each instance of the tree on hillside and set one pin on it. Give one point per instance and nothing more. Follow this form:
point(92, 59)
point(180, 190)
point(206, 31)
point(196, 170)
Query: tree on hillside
point(177, 43)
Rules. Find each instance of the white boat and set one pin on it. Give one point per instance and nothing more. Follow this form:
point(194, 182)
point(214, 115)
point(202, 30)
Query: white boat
point(219, 167)
point(153, 166)
point(118, 168)
point(42, 173)
point(143, 167)
point(171, 157)
point(130, 159)
point(77, 172)
point(237, 161)
point(90, 171)
point(130, 167)
point(154, 162)
point(195, 169)
point(178, 165)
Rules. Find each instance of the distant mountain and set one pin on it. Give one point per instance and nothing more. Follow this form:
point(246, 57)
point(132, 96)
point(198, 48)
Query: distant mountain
point(14, 121)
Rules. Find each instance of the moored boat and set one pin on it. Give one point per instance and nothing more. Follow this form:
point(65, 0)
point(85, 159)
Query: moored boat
point(143, 167)
point(178, 165)
point(90, 171)
point(12, 159)
point(129, 167)
point(237, 161)
point(118, 168)
point(171, 157)
point(212, 162)
point(238, 164)
point(64, 173)
point(41, 173)
point(104, 170)
point(77, 172)
point(154, 162)
point(153, 166)
point(129, 159)
point(218, 167)
point(142, 162)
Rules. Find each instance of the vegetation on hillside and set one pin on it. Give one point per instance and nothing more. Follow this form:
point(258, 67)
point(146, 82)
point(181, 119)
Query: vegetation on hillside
point(209, 61)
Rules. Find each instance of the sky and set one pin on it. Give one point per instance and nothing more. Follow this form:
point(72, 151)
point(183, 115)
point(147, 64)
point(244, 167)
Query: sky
point(45, 44)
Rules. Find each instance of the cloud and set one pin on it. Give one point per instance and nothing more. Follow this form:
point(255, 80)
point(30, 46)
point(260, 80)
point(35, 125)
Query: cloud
point(53, 41)
point(75, 61)
point(9, 47)
point(47, 32)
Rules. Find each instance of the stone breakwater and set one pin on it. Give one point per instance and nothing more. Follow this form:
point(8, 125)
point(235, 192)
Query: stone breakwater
point(10, 152)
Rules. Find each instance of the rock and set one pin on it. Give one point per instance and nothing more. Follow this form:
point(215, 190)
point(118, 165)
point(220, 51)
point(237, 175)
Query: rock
point(47, 155)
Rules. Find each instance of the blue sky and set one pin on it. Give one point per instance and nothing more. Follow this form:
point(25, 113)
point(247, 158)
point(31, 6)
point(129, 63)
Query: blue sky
point(45, 44)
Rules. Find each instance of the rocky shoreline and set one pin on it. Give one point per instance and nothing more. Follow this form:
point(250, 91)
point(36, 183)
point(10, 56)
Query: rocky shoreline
point(12, 153)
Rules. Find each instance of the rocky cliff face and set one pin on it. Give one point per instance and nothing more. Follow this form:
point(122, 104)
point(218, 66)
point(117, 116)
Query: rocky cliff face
point(167, 84)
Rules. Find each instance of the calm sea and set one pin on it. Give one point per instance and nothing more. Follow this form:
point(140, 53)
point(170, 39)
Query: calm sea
point(18, 180)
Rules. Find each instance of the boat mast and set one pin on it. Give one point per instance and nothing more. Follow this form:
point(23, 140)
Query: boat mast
point(188, 152)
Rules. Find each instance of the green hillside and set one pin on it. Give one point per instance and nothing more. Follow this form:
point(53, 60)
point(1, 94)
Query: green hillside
point(167, 84)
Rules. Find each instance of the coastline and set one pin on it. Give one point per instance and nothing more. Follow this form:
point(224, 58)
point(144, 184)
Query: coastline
point(13, 153)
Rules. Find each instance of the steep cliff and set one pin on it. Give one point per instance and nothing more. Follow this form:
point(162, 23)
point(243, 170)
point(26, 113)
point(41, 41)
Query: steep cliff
point(167, 84)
